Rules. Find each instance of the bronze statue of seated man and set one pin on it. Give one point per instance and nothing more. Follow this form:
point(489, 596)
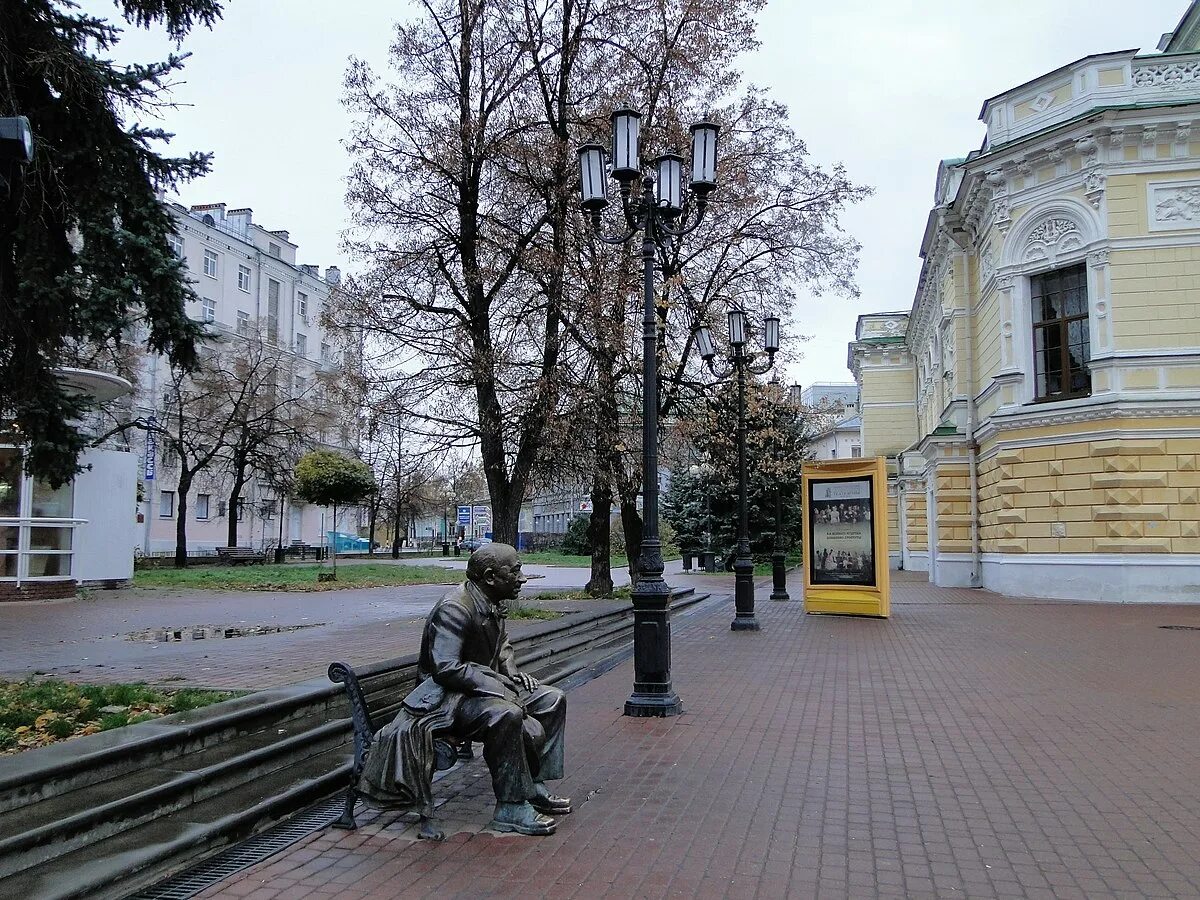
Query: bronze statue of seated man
point(470, 689)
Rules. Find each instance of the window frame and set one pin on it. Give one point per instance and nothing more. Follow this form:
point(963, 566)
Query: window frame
point(208, 310)
point(244, 271)
point(161, 496)
point(302, 303)
point(215, 258)
point(175, 242)
point(207, 507)
point(1061, 323)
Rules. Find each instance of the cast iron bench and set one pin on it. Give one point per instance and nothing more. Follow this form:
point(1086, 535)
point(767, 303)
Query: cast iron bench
point(446, 748)
point(237, 556)
point(302, 549)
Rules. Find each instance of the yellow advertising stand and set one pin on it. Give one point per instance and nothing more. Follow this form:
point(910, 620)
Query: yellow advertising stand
point(846, 537)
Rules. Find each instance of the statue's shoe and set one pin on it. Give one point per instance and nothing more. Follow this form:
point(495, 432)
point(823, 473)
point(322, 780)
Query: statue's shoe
point(522, 819)
point(550, 805)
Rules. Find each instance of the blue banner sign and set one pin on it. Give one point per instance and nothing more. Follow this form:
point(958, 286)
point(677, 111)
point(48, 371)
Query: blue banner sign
point(151, 451)
point(464, 515)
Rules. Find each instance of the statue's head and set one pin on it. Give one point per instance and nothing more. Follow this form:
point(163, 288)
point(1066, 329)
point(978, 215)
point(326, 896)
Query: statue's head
point(496, 570)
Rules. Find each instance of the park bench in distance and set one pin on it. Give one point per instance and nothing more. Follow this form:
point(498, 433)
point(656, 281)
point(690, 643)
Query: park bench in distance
point(303, 550)
point(238, 556)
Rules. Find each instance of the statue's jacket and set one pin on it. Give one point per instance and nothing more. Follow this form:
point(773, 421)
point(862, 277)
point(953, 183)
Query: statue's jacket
point(465, 652)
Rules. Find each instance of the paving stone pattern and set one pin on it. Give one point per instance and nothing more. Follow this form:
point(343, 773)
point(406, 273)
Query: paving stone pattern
point(972, 746)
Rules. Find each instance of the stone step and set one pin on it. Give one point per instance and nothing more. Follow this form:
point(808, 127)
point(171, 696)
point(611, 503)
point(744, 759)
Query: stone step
point(140, 856)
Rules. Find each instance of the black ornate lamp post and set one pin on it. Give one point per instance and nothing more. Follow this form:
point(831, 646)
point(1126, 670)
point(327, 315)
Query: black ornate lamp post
point(742, 362)
point(662, 213)
point(779, 551)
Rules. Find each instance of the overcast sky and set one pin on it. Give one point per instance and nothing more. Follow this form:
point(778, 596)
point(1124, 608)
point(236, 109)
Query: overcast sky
point(886, 87)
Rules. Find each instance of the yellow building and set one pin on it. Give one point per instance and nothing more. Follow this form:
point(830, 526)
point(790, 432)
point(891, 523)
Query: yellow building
point(1040, 401)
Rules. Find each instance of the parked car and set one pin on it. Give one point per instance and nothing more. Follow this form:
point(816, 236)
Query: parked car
point(473, 544)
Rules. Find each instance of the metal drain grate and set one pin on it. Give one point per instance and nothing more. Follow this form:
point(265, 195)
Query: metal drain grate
point(242, 856)
point(1180, 627)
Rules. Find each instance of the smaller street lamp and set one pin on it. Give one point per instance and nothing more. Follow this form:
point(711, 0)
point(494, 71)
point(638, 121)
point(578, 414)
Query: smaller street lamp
point(741, 362)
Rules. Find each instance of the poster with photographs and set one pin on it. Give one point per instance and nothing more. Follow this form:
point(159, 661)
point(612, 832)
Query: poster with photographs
point(843, 535)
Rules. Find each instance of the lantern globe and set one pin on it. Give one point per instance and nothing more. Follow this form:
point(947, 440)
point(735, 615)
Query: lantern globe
point(771, 334)
point(626, 131)
point(737, 328)
point(704, 343)
point(704, 157)
point(593, 184)
point(669, 168)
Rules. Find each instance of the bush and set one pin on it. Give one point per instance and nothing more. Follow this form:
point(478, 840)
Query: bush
point(575, 542)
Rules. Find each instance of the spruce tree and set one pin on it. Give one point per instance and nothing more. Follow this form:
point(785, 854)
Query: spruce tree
point(84, 253)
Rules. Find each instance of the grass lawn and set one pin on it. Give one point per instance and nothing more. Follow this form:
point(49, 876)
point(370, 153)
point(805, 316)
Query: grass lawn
point(37, 713)
point(292, 577)
point(621, 593)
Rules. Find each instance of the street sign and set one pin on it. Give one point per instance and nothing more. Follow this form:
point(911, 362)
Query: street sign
point(151, 451)
point(483, 514)
point(464, 515)
point(585, 505)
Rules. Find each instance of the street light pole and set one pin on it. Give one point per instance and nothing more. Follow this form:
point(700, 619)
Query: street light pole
point(741, 363)
point(661, 212)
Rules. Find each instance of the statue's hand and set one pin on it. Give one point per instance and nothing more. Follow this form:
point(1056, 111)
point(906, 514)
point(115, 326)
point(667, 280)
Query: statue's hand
point(528, 682)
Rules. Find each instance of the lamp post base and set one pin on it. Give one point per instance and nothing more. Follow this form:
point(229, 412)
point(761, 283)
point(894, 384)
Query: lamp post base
point(647, 706)
point(743, 595)
point(779, 578)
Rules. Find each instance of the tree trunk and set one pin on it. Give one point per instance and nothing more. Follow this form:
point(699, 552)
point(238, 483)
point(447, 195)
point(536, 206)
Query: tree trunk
point(601, 583)
point(396, 530)
point(235, 495)
point(185, 485)
point(631, 524)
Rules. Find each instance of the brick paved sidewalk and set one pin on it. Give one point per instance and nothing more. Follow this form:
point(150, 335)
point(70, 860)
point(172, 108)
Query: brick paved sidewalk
point(972, 746)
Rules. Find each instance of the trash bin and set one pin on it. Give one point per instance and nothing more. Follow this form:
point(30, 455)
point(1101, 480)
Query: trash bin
point(278, 555)
point(445, 548)
point(710, 561)
point(687, 560)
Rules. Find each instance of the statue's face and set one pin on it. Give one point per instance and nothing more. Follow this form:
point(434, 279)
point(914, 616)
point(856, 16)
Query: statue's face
point(504, 581)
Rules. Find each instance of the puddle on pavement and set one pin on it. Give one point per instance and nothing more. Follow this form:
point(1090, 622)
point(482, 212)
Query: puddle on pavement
point(212, 632)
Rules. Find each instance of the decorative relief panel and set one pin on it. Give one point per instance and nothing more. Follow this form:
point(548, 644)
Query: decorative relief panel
point(1051, 238)
point(1172, 75)
point(1173, 205)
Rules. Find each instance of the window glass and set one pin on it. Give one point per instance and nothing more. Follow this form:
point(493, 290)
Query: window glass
point(244, 278)
point(8, 565)
point(210, 263)
point(202, 506)
point(50, 538)
point(166, 504)
point(9, 535)
point(49, 503)
point(46, 564)
point(1060, 333)
point(10, 482)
